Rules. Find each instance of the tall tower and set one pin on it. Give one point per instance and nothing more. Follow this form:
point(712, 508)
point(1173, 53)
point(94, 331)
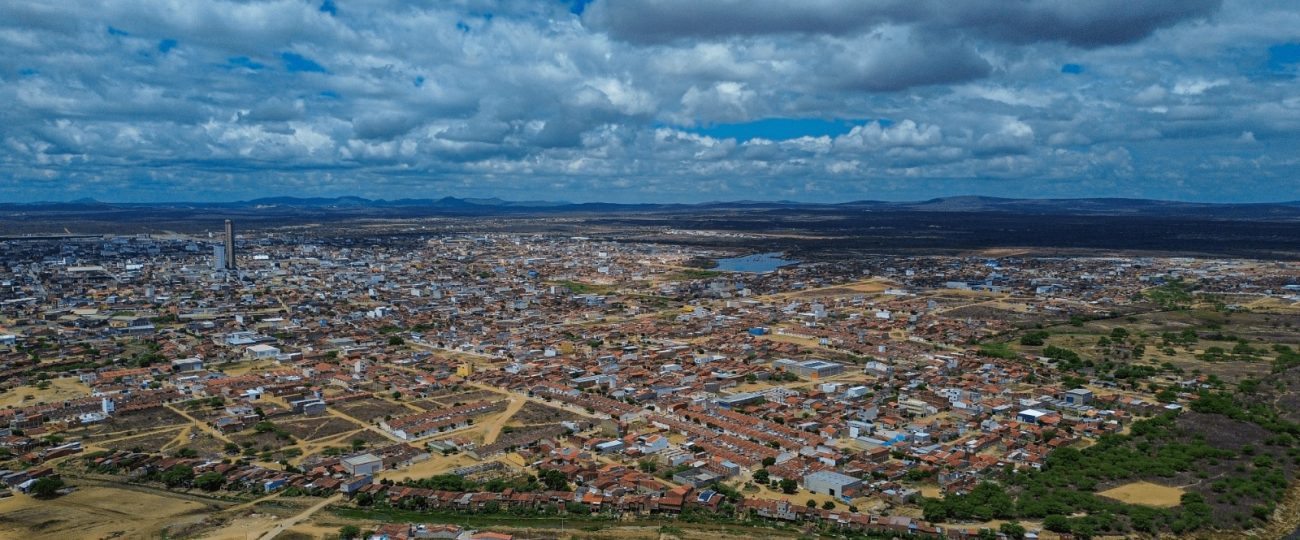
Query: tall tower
point(230, 245)
point(218, 258)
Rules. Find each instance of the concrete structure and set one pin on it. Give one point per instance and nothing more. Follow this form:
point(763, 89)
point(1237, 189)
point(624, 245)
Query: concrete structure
point(810, 369)
point(739, 400)
point(364, 464)
point(1078, 396)
point(696, 477)
point(263, 351)
point(219, 257)
point(230, 246)
point(832, 483)
point(1031, 416)
point(182, 365)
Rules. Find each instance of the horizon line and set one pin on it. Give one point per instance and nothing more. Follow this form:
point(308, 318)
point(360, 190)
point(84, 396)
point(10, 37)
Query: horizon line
point(473, 200)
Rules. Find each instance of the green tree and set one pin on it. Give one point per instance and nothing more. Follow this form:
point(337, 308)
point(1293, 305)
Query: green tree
point(348, 532)
point(209, 481)
point(554, 480)
point(788, 486)
point(1056, 523)
point(1034, 339)
point(1013, 530)
point(46, 487)
point(178, 476)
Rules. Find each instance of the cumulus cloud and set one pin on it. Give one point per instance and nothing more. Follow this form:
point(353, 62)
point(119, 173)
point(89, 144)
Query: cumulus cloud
point(897, 58)
point(228, 99)
point(875, 135)
point(1089, 24)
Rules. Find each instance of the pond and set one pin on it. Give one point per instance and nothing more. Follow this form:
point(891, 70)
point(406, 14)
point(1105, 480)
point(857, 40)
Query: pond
point(758, 263)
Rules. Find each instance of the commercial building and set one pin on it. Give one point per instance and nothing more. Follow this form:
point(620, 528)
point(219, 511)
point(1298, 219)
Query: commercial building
point(810, 369)
point(363, 464)
point(832, 483)
point(739, 400)
point(219, 257)
point(230, 246)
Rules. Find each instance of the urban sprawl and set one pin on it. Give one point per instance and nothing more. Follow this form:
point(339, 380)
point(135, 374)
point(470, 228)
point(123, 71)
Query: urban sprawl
point(402, 381)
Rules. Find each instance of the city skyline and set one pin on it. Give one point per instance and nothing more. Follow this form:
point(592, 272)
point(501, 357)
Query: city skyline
point(642, 101)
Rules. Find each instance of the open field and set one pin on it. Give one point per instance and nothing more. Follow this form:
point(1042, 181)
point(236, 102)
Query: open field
point(860, 288)
point(1217, 334)
point(321, 427)
point(1145, 493)
point(372, 409)
point(565, 527)
point(141, 443)
point(128, 424)
point(94, 512)
point(60, 389)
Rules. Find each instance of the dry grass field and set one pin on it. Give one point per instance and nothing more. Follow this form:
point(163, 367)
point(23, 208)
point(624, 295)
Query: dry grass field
point(94, 512)
point(1146, 494)
point(59, 390)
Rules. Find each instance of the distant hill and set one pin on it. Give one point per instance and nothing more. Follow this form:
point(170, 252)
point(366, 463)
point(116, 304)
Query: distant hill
point(269, 206)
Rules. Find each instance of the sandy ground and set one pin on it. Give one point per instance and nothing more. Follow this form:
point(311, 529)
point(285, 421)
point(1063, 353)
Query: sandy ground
point(868, 286)
point(433, 466)
point(799, 498)
point(285, 523)
point(59, 390)
point(1146, 494)
point(96, 512)
point(243, 368)
point(243, 528)
point(493, 429)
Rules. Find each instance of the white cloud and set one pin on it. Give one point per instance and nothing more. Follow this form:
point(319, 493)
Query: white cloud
point(1196, 87)
point(438, 98)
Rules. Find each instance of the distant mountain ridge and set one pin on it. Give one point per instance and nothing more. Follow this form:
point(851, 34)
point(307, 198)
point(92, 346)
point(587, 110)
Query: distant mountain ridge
point(488, 206)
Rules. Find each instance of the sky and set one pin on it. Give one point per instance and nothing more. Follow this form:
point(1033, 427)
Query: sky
point(649, 100)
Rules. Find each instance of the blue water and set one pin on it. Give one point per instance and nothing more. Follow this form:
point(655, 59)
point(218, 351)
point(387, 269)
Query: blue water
point(759, 263)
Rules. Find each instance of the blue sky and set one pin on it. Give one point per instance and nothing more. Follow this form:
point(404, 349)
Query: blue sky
point(650, 100)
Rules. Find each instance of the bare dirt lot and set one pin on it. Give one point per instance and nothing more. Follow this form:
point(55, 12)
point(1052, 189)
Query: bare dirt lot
point(59, 390)
point(317, 428)
point(536, 413)
point(97, 512)
point(1145, 493)
point(141, 443)
point(369, 410)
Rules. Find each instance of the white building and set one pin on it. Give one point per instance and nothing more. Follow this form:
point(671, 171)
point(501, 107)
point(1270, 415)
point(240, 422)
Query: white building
point(363, 464)
point(262, 351)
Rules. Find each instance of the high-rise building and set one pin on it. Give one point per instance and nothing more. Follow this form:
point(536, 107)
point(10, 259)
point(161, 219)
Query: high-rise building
point(230, 245)
point(218, 257)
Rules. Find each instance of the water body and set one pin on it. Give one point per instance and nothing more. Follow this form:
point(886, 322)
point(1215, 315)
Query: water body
point(758, 264)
